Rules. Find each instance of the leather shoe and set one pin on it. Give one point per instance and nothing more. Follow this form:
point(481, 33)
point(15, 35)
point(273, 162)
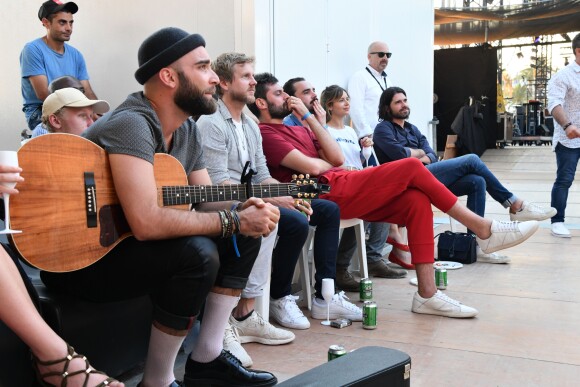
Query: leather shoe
point(225, 370)
point(380, 269)
point(345, 281)
point(175, 383)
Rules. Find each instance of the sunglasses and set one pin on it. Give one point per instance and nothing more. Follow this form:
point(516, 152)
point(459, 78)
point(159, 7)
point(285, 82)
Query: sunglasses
point(382, 54)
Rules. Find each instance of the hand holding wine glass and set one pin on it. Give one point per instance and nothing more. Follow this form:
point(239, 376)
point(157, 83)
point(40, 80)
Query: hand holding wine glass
point(367, 150)
point(9, 176)
point(327, 293)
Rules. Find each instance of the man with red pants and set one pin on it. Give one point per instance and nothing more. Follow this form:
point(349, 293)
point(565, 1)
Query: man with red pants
point(400, 192)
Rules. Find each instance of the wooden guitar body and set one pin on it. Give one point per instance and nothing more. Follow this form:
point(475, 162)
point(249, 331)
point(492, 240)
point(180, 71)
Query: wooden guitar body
point(67, 207)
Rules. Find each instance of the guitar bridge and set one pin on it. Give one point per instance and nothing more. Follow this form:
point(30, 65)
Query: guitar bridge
point(90, 200)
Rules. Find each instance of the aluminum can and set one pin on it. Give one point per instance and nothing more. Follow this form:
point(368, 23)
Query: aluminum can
point(441, 278)
point(369, 315)
point(366, 289)
point(335, 351)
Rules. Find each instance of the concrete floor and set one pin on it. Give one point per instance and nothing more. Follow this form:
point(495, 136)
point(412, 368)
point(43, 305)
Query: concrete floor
point(529, 310)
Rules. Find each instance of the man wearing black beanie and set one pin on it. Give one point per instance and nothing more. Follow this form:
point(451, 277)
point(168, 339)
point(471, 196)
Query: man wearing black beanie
point(182, 258)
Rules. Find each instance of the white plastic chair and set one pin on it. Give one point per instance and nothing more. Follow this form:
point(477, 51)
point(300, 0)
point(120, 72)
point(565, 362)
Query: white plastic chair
point(307, 275)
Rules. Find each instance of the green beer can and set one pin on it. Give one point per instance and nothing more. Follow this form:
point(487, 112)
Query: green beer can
point(369, 315)
point(366, 289)
point(335, 351)
point(440, 278)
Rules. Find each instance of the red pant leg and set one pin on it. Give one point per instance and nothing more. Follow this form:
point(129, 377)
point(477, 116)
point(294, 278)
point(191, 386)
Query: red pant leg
point(400, 192)
point(376, 187)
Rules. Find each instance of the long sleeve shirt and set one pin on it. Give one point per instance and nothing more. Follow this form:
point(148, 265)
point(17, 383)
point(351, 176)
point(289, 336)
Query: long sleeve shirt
point(365, 88)
point(221, 149)
point(393, 142)
point(564, 90)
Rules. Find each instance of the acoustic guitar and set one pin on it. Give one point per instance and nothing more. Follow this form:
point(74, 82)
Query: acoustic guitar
point(70, 215)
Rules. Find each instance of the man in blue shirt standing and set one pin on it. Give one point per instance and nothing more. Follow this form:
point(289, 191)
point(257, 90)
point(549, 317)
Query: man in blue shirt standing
point(48, 57)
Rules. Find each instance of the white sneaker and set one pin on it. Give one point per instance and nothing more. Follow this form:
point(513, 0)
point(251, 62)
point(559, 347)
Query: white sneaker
point(340, 307)
point(533, 211)
point(507, 234)
point(286, 313)
point(492, 257)
point(441, 305)
point(255, 329)
point(232, 344)
point(560, 231)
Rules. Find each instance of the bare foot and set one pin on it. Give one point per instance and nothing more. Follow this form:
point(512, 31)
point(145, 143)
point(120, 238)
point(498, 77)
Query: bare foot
point(404, 256)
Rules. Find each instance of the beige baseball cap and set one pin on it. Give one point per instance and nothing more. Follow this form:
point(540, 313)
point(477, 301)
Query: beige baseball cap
point(70, 97)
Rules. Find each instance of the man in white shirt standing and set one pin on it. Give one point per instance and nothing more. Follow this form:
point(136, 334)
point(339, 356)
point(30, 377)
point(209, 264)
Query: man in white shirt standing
point(564, 105)
point(365, 88)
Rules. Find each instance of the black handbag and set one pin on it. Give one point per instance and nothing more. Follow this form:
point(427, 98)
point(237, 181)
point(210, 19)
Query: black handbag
point(457, 247)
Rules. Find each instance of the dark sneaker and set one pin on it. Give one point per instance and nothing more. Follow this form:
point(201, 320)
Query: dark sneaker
point(345, 281)
point(381, 269)
point(225, 370)
point(176, 383)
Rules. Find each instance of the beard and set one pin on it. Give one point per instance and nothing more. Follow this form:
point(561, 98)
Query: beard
point(192, 100)
point(278, 112)
point(242, 97)
point(401, 116)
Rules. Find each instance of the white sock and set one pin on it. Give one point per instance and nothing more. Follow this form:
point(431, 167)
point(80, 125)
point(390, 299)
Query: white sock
point(209, 345)
point(161, 356)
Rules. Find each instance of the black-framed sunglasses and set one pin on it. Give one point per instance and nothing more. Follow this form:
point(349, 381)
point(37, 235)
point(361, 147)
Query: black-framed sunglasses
point(382, 54)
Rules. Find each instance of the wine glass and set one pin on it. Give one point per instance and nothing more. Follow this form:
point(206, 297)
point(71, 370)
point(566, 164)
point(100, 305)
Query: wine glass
point(327, 294)
point(366, 152)
point(9, 158)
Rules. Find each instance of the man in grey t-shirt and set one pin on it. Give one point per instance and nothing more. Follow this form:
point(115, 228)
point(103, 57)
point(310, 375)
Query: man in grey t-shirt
point(181, 258)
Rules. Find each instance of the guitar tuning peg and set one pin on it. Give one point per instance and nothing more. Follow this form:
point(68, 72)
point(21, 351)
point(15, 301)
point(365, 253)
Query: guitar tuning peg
point(301, 176)
point(299, 194)
point(307, 176)
point(298, 182)
point(294, 177)
point(311, 181)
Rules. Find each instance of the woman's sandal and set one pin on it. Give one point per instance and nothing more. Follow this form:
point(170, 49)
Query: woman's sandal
point(64, 374)
point(394, 259)
point(398, 245)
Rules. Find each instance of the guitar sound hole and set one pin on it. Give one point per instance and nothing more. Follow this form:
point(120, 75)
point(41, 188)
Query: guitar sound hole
point(113, 224)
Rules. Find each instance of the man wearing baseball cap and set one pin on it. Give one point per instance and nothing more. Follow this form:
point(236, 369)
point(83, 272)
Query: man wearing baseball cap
point(181, 258)
point(68, 110)
point(49, 57)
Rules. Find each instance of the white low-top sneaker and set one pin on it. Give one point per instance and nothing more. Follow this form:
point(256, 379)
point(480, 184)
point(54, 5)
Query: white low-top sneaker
point(507, 234)
point(255, 329)
point(340, 307)
point(560, 231)
point(286, 313)
point(232, 344)
point(442, 305)
point(533, 211)
point(492, 257)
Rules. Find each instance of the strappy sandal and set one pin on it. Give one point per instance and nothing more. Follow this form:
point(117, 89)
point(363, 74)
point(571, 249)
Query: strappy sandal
point(64, 374)
point(398, 245)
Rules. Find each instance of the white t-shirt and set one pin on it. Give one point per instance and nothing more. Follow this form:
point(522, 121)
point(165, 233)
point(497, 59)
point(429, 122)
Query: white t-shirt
point(347, 139)
point(242, 142)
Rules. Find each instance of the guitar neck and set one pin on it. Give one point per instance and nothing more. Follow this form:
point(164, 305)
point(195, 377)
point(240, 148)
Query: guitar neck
point(193, 194)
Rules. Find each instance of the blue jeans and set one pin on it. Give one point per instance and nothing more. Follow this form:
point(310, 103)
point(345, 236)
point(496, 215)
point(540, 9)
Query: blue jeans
point(292, 232)
point(468, 175)
point(378, 234)
point(326, 218)
point(33, 114)
point(566, 161)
